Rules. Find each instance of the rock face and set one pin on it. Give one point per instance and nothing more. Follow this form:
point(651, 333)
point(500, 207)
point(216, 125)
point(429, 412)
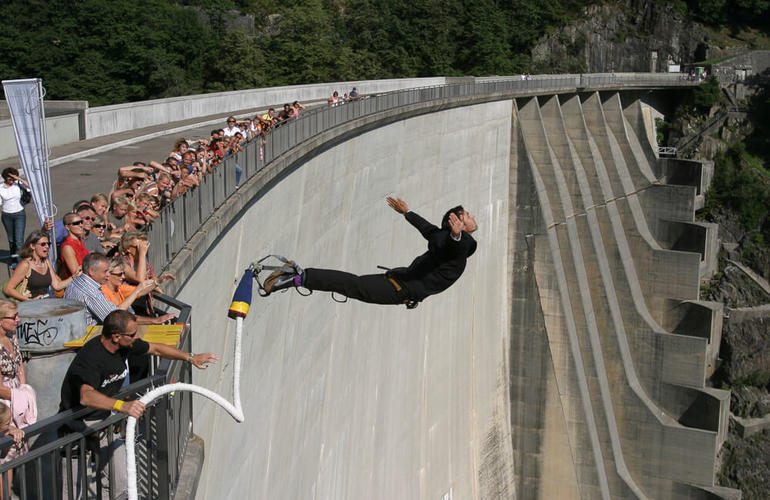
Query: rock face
point(749, 402)
point(746, 351)
point(628, 35)
point(746, 464)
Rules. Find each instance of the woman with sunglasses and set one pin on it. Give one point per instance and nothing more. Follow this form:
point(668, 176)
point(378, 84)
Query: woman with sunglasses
point(72, 248)
point(36, 266)
point(99, 226)
point(118, 291)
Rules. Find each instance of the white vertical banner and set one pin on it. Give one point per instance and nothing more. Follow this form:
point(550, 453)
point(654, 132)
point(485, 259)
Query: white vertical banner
point(25, 102)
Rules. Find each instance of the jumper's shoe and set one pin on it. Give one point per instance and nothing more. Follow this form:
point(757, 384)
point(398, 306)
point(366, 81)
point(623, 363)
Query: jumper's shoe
point(287, 277)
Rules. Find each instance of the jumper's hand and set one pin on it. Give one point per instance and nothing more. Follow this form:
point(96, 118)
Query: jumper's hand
point(398, 205)
point(456, 225)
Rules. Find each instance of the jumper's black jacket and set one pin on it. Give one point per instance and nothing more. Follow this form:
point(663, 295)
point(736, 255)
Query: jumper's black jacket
point(439, 267)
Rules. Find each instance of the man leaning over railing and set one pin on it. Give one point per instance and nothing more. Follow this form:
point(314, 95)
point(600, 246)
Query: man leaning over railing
point(99, 371)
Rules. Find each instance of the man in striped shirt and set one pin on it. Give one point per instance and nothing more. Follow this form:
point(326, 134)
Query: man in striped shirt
point(87, 288)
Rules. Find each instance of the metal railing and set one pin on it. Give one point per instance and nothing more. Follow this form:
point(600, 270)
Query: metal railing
point(178, 222)
point(63, 463)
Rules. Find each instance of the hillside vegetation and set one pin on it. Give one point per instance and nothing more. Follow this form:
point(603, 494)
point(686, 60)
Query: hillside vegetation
point(111, 52)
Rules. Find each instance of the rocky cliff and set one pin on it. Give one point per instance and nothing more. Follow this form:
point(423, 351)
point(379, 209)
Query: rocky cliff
point(625, 35)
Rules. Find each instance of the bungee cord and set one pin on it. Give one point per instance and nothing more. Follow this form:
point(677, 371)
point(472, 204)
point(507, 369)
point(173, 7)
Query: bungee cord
point(238, 310)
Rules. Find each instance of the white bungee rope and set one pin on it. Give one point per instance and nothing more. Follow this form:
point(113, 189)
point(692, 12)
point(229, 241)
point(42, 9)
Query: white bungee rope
point(238, 310)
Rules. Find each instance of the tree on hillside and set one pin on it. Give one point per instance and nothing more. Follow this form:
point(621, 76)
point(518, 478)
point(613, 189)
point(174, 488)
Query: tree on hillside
point(102, 51)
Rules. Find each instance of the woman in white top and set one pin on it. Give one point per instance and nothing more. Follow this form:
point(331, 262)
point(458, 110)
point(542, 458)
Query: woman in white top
point(14, 219)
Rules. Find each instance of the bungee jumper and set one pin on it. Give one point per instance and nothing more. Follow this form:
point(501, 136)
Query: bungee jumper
point(430, 273)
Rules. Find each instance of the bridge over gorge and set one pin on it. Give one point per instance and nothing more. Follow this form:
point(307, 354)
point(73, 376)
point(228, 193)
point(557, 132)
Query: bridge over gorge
point(572, 358)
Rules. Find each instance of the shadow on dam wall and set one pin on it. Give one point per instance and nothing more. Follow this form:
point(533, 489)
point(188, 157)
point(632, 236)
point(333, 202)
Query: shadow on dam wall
point(544, 372)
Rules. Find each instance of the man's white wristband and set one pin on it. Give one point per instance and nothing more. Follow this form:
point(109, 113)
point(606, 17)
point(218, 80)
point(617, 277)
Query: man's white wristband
point(190, 357)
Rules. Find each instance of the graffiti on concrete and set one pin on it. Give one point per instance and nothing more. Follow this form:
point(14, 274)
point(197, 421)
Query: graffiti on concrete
point(37, 332)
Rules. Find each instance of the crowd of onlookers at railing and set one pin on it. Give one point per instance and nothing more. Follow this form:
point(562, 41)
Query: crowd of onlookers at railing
point(102, 244)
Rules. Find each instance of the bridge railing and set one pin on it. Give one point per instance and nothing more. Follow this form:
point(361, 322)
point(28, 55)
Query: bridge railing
point(178, 222)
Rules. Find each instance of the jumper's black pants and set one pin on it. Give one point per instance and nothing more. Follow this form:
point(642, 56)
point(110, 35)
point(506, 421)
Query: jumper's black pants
point(371, 288)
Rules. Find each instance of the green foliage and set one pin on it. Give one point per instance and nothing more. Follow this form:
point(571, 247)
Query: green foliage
point(102, 51)
point(730, 12)
point(707, 95)
point(754, 379)
point(109, 52)
point(740, 184)
point(662, 129)
point(759, 111)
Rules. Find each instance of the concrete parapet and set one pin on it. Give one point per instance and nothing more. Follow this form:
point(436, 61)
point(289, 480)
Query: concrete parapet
point(60, 129)
point(106, 120)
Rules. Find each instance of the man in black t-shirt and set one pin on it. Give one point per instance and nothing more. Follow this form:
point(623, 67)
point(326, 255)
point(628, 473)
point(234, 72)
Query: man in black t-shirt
point(100, 370)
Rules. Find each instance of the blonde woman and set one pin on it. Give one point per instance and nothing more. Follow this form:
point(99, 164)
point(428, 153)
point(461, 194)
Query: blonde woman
point(37, 267)
point(118, 291)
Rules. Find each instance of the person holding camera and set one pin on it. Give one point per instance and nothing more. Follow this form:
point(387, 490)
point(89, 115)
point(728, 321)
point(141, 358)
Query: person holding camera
point(13, 217)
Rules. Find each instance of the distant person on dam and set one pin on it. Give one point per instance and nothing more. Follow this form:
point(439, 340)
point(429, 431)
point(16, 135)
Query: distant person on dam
point(430, 273)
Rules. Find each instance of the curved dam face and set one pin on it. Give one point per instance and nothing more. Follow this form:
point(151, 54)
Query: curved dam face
point(569, 361)
point(355, 400)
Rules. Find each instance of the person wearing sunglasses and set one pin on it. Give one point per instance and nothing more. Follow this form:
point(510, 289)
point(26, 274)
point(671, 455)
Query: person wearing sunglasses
point(121, 293)
point(36, 268)
point(99, 228)
point(87, 288)
point(90, 239)
point(232, 127)
point(72, 248)
point(98, 372)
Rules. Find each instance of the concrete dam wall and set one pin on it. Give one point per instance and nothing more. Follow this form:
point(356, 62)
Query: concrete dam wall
point(569, 361)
